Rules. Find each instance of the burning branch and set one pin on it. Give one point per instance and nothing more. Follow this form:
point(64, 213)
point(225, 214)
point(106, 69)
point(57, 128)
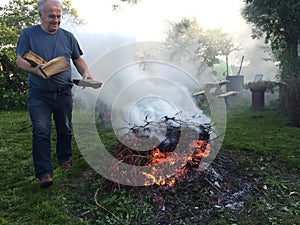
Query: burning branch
point(165, 151)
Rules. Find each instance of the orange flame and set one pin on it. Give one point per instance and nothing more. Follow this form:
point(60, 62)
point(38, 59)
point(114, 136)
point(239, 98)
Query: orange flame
point(202, 150)
point(157, 157)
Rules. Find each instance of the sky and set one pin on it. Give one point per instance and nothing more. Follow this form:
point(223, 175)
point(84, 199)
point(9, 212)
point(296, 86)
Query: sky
point(3, 2)
point(146, 21)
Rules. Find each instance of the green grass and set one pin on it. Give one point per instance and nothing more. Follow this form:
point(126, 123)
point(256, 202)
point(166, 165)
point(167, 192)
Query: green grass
point(265, 133)
point(262, 142)
point(22, 200)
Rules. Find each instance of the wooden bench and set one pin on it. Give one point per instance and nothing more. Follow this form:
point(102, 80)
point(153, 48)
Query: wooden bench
point(200, 97)
point(212, 88)
point(224, 95)
point(227, 94)
point(198, 93)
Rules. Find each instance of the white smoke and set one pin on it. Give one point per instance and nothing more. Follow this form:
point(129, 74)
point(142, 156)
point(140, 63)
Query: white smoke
point(134, 87)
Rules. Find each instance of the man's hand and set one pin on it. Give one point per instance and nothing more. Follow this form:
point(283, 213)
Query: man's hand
point(87, 76)
point(38, 71)
point(26, 66)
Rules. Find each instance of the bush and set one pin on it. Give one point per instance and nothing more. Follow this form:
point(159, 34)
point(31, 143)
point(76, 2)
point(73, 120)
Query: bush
point(12, 100)
point(13, 91)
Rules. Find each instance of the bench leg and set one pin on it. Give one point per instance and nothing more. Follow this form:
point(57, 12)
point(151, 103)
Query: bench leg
point(226, 102)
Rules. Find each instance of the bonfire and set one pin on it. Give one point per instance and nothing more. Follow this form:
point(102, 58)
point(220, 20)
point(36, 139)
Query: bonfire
point(169, 133)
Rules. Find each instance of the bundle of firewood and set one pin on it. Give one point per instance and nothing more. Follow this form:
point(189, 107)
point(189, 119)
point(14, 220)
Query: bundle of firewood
point(54, 66)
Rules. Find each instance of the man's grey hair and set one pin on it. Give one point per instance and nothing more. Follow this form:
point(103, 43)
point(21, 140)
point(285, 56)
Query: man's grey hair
point(41, 4)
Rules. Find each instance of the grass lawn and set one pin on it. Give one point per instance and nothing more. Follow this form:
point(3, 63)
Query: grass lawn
point(258, 145)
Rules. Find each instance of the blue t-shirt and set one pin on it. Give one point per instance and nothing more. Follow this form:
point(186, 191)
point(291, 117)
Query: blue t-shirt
point(49, 46)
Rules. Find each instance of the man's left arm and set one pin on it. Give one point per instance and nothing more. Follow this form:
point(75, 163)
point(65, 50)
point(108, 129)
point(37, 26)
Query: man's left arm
point(82, 68)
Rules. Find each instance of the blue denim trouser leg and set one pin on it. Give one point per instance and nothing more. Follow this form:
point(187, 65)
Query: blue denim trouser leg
point(41, 106)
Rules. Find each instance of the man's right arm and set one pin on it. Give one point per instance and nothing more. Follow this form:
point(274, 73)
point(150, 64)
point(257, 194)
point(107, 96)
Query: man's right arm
point(26, 66)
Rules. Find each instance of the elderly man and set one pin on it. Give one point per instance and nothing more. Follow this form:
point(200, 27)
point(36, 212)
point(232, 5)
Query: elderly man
point(50, 96)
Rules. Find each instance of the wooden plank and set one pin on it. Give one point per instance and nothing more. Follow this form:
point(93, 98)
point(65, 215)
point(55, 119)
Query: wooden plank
point(213, 84)
point(198, 93)
point(229, 93)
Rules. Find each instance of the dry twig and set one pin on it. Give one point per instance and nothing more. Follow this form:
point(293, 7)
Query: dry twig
point(102, 207)
point(214, 186)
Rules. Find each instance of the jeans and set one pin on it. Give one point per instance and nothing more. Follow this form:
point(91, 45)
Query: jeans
point(42, 105)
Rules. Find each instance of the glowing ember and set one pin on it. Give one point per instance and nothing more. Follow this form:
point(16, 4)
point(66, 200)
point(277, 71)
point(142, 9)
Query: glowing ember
point(202, 150)
point(165, 155)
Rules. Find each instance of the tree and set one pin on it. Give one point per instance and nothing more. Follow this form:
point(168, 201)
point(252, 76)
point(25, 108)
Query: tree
point(14, 16)
point(278, 22)
point(205, 45)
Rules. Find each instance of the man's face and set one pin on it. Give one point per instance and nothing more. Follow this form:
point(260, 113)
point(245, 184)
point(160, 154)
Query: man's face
point(50, 17)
